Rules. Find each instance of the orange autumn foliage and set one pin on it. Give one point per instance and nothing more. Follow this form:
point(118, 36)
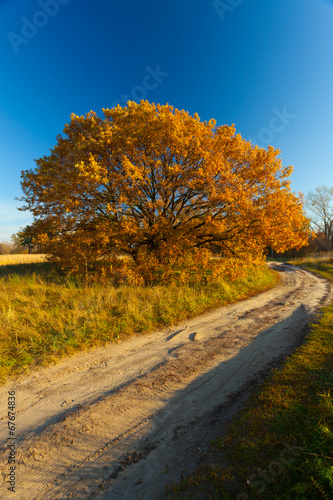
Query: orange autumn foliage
point(160, 186)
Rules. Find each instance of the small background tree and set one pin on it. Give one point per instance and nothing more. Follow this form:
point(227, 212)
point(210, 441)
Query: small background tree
point(23, 240)
point(320, 204)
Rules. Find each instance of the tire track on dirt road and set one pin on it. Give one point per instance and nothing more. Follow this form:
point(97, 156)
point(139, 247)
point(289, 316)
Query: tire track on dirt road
point(125, 420)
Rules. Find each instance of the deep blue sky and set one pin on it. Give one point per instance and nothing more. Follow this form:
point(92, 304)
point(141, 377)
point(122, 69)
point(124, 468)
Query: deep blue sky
point(247, 62)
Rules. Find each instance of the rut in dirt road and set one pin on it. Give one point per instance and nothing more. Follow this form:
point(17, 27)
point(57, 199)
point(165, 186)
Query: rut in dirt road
point(126, 420)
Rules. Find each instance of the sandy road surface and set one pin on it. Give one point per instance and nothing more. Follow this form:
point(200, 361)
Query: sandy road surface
point(122, 422)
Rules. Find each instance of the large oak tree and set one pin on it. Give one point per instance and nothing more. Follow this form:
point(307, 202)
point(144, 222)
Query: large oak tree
point(158, 184)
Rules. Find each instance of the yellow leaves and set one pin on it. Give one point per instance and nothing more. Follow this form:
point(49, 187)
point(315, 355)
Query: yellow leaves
point(91, 170)
point(131, 170)
point(161, 186)
point(42, 239)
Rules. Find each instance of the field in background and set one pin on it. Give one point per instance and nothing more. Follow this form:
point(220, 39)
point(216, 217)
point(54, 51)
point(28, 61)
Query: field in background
point(280, 445)
point(21, 258)
point(45, 315)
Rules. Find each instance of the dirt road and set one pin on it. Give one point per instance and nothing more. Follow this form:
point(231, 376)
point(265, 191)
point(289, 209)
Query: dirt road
point(122, 422)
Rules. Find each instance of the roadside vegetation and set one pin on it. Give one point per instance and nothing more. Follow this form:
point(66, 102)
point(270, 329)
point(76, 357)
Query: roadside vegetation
point(321, 266)
point(46, 314)
point(281, 444)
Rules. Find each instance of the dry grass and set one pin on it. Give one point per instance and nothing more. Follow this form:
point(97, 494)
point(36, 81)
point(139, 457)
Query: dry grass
point(45, 315)
point(21, 258)
point(313, 257)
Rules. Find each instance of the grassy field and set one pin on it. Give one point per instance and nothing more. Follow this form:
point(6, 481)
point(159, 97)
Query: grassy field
point(45, 315)
point(21, 258)
point(280, 446)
